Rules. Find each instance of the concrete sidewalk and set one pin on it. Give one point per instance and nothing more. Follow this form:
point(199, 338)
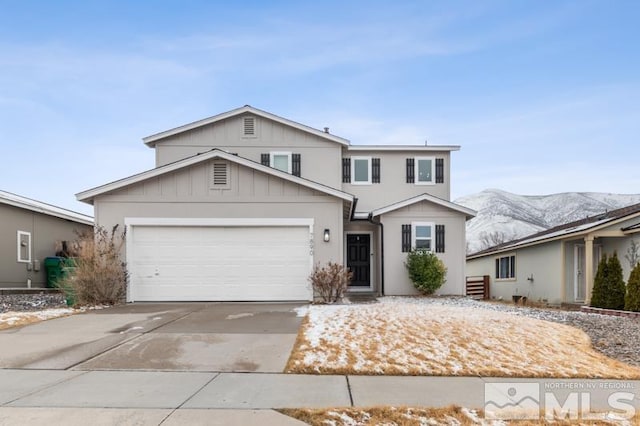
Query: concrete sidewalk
point(161, 397)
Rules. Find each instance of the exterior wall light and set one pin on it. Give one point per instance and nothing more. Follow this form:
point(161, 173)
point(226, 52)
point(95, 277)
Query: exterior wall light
point(327, 235)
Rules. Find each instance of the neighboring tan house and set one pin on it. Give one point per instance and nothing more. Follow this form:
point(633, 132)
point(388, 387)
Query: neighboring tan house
point(240, 206)
point(558, 265)
point(30, 231)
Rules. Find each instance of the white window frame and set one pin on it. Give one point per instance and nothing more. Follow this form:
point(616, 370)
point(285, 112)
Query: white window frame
point(20, 234)
point(289, 160)
point(431, 225)
point(353, 171)
point(511, 272)
point(416, 172)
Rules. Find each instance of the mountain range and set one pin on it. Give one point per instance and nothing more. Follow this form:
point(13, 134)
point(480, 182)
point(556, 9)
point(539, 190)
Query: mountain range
point(503, 216)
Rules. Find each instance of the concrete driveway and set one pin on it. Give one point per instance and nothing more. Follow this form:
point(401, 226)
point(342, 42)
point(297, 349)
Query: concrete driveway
point(216, 337)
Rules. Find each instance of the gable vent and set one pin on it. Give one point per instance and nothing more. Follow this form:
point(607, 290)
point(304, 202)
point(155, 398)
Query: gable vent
point(249, 126)
point(220, 175)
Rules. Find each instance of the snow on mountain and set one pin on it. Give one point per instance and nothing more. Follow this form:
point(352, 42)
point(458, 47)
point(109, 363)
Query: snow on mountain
point(503, 216)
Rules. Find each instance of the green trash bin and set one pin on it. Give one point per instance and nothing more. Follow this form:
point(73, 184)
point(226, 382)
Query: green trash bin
point(53, 265)
point(57, 269)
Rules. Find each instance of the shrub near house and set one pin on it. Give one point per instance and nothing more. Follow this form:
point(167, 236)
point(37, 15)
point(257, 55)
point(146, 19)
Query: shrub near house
point(632, 298)
point(608, 287)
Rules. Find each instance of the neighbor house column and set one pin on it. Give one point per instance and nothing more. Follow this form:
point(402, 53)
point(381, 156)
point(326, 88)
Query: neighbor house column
point(588, 267)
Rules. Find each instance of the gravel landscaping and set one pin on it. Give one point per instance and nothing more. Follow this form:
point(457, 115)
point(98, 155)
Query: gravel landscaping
point(31, 302)
point(615, 337)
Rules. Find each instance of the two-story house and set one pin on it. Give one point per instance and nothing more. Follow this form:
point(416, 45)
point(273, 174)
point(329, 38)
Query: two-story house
point(240, 206)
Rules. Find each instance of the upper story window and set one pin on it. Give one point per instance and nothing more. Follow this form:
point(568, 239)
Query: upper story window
point(361, 170)
point(361, 174)
point(506, 267)
point(425, 170)
point(280, 161)
point(285, 161)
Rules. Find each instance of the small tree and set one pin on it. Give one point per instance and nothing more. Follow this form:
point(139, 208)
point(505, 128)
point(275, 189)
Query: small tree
point(426, 271)
point(100, 276)
point(599, 289)
point(632, 298)
point(616, 283)
point(608, 287)
point(330, 282)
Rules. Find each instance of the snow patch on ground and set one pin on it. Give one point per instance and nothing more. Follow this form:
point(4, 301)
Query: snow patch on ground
point(447, 336)
point(242, 315)
point(14, 318)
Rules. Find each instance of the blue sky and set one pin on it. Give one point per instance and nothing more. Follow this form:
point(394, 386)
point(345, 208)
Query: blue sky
point(543, 96)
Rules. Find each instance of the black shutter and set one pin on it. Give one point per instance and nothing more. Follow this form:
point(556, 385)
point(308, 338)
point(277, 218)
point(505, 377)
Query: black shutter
point(375, 170)
point(439, 238)
point(406, 238)
point(346, 170)
point(439, 170)
point(497, 268)
point(295, 164)
point(410, 170)
point(264, 159)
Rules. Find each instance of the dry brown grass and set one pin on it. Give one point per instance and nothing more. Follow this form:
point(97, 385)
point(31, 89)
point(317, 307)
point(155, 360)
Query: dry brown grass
point(408, 416)
point(11, 320)
point(412, 339)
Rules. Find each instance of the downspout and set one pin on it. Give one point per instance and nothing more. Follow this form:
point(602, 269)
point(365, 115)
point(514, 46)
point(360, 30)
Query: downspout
point(370, 219)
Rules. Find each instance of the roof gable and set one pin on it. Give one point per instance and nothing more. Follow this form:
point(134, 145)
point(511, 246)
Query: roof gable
point(88, 195)
point(39, 207)
point(155, 138)
point(425, 197)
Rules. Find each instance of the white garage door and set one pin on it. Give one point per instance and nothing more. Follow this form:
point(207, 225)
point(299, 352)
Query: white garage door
point(214, 263)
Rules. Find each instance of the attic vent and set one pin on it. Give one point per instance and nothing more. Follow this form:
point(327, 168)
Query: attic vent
point(249, 126)
point(220, 175)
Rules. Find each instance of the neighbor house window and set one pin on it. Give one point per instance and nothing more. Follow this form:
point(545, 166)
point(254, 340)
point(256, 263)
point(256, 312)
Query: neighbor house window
point(280, 161)
point(506, 267)
point(424, 170)
point(24, 246)
point(422, 235)
point(361, 170)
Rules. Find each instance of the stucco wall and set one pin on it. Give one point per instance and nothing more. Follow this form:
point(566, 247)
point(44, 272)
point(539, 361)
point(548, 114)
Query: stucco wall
point(45, 231)
point(396, 278)
point(544, 262)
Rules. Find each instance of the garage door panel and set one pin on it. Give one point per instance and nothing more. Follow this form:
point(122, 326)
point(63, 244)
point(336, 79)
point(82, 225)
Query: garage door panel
point(219, 263)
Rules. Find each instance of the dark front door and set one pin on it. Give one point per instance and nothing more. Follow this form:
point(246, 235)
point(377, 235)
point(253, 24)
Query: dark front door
point(359, 259)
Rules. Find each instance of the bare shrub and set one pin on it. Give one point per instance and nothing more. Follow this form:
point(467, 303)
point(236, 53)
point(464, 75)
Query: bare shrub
point(330, 282)
point(100, 276)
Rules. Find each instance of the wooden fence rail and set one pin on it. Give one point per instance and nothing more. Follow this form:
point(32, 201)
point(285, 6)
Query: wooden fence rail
point(478, 287)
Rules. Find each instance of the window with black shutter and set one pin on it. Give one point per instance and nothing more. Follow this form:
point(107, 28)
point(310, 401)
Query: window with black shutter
point(295, 164)
point(439, 170)
point(264, 159)
point(439, 238)
point(410, 170)
point(406, 238)
point(375, 170)
point(346, 170)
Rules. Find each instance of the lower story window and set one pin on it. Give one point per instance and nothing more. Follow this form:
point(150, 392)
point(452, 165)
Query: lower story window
point(422, 236)
point(506, 267)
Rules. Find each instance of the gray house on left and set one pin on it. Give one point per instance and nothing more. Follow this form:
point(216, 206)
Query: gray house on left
point(30, 231)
